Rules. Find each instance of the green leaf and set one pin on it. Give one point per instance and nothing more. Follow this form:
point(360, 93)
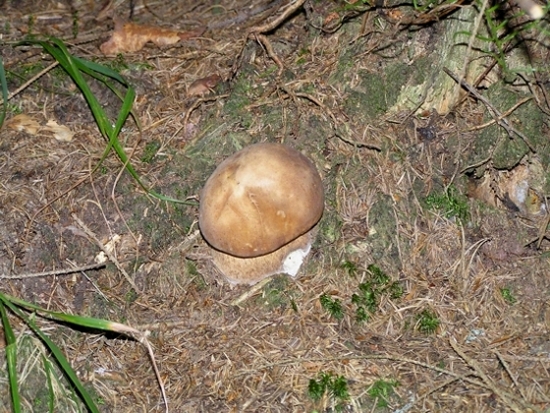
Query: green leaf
point(49, 372)
point(81, 321)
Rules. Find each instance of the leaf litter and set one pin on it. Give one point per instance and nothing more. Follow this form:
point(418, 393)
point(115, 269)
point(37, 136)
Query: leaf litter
point(262, 354)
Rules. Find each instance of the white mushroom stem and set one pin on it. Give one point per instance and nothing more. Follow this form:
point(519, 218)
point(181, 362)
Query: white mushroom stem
point(286, 260)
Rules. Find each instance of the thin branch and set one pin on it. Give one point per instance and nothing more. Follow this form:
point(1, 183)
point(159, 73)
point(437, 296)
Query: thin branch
point(64, 271)
point(272, 25)
point(32, 80)
point(495, 113)
point(257, 33)
point(504, 396)
point(505, 114)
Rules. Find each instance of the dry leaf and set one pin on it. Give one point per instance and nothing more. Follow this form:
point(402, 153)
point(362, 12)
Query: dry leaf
point(131, 37)
point(110, 246)
point(331, 17)
point(60, 132)
point(203, 86)
point(517, 189)
point(100, 258)
point(23, 123)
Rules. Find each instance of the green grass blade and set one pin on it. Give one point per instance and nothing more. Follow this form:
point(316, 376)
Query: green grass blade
point(69, 318)
point(56, 352)
point(11, 358)
point(92, 67)
point(75, 67)
point(15, 305)
point(4, 86)
point(49, 372)
point(113, 141)
point(60, 53)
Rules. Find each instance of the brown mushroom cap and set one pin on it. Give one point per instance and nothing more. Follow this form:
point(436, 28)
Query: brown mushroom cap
point(260, 199)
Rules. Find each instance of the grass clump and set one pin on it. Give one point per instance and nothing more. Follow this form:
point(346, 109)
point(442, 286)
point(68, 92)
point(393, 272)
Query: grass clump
point(53, 356)
point(19, 308)
point(381, 391)
point(150, 151)
point(80, 71)
point(336, 387)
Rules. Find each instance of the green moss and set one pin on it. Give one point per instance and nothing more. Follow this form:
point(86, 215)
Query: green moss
point(151, 149)
point(344, 68)
point(245, 91)
point(274, 118)
point(332, 305)
point(376, 92)
point(508, 295)
point(509, 150)
point(327, 383)
point(370, 292)
point(420, 70)
point(427, 322)
point(396, 76)
point(382, 221)
point(369, 100)
point(450, 203)
point(350, 267)
point(330, 228)
point(382, 391)
point(278, 294)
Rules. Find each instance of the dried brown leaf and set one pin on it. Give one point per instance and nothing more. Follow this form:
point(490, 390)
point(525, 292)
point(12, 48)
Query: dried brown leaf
point(60, 132)
point(203, 86)
point(23, 123)
point(131, 37)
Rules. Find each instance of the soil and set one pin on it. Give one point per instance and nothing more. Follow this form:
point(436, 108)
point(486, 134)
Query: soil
point(430, 268)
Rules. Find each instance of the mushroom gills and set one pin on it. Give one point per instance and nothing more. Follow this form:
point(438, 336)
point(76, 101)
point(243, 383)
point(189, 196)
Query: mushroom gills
point(286, 260)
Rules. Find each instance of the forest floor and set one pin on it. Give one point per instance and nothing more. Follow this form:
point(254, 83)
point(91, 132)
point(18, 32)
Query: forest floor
point(428, 285)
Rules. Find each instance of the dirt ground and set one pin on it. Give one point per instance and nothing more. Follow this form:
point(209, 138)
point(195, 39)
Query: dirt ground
point(430, 269)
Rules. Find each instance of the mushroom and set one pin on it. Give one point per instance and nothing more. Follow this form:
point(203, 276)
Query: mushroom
point(258, 211)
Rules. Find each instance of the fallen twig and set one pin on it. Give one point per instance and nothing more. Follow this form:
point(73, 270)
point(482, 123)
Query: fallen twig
point(498, 117)
point(258, 33)
point(504, 395)
point(63, 271)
